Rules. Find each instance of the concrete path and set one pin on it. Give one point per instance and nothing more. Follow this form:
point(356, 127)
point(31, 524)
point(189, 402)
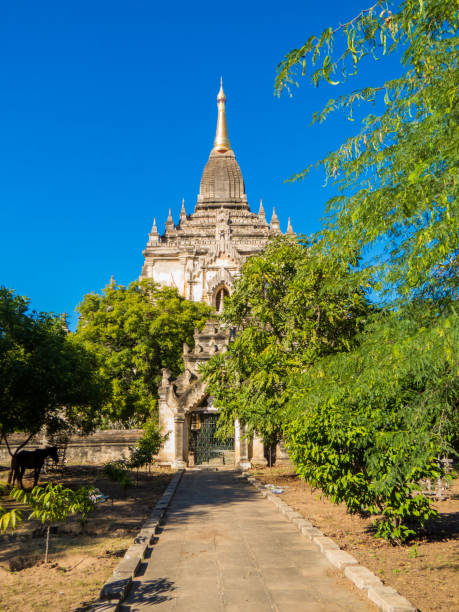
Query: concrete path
point(223, 547)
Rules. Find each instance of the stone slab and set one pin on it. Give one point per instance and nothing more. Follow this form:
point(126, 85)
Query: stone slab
point(310, 533)
point(104, 606)
point(361, 576)
point(325, 543)
point(340, 558)
point(116, 587)
point(145, 535)
point(388, 600)
point(301, 522)
point(127, 566)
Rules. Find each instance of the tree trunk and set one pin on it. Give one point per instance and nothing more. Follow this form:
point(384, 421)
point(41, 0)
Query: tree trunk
point(47, 543)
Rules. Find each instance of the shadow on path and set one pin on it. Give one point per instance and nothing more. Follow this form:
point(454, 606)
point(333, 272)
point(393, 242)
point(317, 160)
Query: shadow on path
point(151, 592)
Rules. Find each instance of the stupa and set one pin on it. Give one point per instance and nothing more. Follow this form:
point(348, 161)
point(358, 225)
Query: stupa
point(201, 256)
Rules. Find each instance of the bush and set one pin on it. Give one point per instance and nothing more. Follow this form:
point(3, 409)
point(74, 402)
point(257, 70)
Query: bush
point(118, 471)
point(148, 446)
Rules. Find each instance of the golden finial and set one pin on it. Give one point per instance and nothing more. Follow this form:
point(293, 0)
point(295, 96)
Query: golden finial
point(222, 143)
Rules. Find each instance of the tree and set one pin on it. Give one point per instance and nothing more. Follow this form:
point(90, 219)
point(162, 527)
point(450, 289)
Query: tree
point(147, 446)
point(46, 379)
point(398, 175)
point(54, 503)
point(10, 519)
point(368, 424)
point(292, 305)
point(136, 331)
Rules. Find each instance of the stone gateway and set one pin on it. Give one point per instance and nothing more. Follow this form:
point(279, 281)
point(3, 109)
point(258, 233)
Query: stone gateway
point(201, 256)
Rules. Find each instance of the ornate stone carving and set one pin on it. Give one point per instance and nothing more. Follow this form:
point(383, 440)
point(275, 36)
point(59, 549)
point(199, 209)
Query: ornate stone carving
point(202, 257)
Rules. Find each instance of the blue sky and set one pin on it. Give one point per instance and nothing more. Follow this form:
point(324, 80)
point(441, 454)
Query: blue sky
point(107, 118)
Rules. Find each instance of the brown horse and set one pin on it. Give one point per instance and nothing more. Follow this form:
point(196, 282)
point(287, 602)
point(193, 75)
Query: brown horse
point(31, 460)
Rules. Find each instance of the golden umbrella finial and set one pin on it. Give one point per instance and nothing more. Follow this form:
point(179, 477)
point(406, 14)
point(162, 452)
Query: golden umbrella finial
point(222, 143)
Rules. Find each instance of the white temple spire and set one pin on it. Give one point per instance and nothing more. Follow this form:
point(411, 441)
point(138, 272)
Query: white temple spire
point(261, 212)
point(169, 222)
point(274, 224)
point(183, 211)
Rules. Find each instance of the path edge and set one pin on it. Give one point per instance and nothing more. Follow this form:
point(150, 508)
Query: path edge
point(384, 597)
point(116, 588)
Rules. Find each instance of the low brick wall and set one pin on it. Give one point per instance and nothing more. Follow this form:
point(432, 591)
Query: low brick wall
point(97, 448)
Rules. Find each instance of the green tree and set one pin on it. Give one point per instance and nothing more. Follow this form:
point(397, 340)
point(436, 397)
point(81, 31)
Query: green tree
point(136, 331)
point(10, 519)
point(54, 503)
point(398, 175)
point(47, 380)
point(292, 305)
point(366, 425)
point(148, 446)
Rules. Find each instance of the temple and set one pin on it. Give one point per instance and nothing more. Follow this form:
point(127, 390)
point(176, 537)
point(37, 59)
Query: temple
point(201, 256)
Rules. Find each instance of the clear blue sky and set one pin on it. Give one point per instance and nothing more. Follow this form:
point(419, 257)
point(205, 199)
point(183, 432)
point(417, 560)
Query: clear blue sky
point(107, 117)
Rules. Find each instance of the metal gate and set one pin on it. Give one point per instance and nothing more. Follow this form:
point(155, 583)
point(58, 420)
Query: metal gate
point(203, 443)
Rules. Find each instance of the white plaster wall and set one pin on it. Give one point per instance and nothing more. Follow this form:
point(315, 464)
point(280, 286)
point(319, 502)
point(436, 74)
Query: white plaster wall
point(170, 273)
point(223, 262)
point(166, 423)
point(197, 291)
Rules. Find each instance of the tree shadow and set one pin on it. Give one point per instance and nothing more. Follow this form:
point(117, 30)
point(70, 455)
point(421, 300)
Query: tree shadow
point(149, 592)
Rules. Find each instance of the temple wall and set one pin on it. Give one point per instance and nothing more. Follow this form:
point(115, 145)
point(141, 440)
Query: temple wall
point(197, 291)
point(170, 273)
point(167, 426)
point(100, 447)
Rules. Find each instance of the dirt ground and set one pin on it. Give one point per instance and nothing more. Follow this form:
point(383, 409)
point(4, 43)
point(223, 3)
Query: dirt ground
point(81, 559)
point(424, 571)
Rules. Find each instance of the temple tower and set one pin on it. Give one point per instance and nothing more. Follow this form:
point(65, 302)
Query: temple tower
point(201, 256)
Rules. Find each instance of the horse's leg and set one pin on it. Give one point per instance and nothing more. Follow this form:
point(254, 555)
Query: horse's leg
point(19, 474)
point(36, 475)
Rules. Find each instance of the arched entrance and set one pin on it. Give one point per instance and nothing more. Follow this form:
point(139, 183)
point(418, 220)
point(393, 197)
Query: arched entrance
point(204, 446)
point(220, 295)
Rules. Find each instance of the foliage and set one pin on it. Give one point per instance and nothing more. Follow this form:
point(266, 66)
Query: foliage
point(118, 471)
point(367, 424)
point(54, 503)
point(136, 331)
point(367, 416)
point(9, 519)
point(148, 446)
point(398, 175)
point(292, 305)
point(46, 379)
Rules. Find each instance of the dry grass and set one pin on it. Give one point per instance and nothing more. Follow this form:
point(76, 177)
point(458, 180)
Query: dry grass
point(81, 559)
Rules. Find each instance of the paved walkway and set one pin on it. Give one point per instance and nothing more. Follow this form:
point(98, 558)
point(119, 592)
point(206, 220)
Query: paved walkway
point(225, 548)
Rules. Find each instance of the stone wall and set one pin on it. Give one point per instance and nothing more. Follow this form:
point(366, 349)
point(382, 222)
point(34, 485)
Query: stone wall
point(98, 448)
